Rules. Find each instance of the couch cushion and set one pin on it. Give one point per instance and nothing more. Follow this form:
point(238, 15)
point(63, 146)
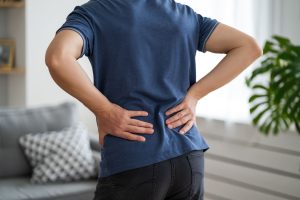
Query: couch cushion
point(21, 189)
point(15, 122)
point(60, 156)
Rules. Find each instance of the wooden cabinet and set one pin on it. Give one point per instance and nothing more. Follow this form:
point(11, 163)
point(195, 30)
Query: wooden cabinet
point(5, 9)
point(11, 4)
point(12, 78)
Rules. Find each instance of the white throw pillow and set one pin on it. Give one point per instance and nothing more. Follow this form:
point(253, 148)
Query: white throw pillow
point(60, 155)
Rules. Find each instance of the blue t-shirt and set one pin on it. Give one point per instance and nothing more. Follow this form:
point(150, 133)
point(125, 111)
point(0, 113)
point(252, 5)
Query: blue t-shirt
point(143, 57)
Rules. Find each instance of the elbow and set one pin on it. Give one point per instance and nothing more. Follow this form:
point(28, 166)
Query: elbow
point(51, 59)
point(51, 62)
point(255, 51)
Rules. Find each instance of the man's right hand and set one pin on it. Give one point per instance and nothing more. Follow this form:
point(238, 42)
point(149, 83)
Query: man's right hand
point(117, 121)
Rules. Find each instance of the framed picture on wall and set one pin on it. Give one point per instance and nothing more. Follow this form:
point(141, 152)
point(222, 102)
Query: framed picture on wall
point(7, 51)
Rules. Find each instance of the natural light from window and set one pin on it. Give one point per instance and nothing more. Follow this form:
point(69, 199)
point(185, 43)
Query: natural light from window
point(230, 102)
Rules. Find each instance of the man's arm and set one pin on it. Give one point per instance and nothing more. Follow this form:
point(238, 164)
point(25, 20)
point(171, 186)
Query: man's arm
point(61, 59)
point(240, 49)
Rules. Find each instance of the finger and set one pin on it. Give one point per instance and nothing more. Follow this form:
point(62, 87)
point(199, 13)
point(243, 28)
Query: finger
point(186, 127)
point(137, 129)
point(133, 113)
point(130, 136)
point(175, 109)
point(177, 116)
point(140, 123)
point(102, 139)
point(180, 121)
point(101, 133)
point(101, 136)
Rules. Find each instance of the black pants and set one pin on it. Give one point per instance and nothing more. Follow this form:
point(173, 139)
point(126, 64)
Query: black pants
point(179, 178)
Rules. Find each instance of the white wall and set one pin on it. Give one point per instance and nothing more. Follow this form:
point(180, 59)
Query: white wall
point(290, 16)
point(43, 18)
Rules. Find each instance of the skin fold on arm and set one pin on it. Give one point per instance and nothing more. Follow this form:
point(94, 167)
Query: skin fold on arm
point(241, 50)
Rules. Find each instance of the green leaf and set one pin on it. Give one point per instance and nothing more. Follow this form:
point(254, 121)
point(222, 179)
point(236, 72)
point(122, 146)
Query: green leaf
point(286, 124)
point(297, 125)
point(282, 91)
point(295, 110)
point(259, 115)
point(247, 81)
point(288, 56)
point(266, 125)
point(283, 41)
point(255, 96)
point(259, 86)
point(277, 101)
point(268, 47)
point(253, 108)
point(289, 102)
point(260, 70)
point(295, 49)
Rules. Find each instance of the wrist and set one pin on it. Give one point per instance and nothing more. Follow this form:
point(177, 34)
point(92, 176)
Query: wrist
point(101, 107)
point(97, 104)
point(197, 91)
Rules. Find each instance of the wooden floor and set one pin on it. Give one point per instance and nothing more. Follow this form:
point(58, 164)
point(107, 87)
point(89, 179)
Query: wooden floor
point(244, 164)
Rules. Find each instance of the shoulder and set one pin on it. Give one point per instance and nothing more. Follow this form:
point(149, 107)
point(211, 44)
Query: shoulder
point(90, 4)
point(87, 11)
point(89, 7)
point(182, 6)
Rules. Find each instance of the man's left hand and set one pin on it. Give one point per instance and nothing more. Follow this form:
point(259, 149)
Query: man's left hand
point(185, 114)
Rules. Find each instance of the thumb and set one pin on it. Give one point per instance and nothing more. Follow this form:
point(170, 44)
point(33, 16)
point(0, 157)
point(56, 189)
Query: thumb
point(101, 136)
point(100, 132)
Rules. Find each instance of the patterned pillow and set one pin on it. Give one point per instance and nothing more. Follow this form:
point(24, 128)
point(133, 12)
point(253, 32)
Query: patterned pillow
point(60, 155)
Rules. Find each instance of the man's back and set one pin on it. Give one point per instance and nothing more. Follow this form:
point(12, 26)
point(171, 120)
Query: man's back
point(143, 58)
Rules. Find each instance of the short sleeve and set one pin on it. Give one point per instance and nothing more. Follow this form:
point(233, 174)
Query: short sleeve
point(79, 21)
point(206, 27)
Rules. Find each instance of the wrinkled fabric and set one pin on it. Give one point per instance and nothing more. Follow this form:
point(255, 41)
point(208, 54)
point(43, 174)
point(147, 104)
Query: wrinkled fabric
point(143, 57)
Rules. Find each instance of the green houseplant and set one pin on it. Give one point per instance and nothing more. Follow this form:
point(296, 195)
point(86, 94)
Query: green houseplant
point(275, 105)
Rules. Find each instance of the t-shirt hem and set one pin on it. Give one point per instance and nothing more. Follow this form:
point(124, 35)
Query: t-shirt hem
point(147, 162)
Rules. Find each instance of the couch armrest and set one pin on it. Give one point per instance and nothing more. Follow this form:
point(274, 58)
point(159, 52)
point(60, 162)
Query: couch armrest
point(94, 142)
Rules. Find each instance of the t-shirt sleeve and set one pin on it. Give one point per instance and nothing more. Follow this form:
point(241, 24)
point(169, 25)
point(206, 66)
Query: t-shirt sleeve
point(206, 27)
point(78, 20)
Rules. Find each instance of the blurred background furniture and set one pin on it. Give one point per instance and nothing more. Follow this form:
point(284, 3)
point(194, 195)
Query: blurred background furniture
point(15, 169)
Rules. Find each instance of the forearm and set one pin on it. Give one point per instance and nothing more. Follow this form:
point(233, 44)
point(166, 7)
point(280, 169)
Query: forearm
point(68, 74)
point(226, 70)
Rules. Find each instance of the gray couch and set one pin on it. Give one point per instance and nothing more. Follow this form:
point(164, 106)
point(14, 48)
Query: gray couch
point(15, 169)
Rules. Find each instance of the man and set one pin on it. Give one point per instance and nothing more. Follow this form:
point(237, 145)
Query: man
point(144, 91)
